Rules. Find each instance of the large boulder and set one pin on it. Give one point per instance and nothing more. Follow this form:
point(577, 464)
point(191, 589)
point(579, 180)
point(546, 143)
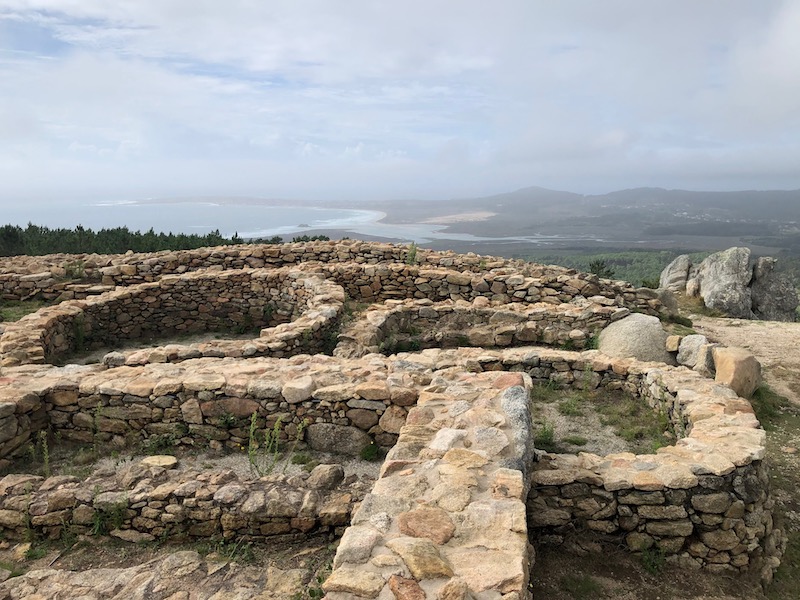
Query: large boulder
point(724, 280)
point(729, 281)
point(675, 274)
point(738, 369)
point(774, 296)
point(636, 336)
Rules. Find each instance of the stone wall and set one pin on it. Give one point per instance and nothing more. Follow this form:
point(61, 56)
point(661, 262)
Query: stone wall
point(368, 271)
point(207, 403)
point(418, 324)
point(182, 304)
point(719, 453)
point(703, 501)
point(141, 503)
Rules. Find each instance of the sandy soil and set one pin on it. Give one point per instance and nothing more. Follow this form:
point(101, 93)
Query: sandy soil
point(467, 217)
point(775, 344)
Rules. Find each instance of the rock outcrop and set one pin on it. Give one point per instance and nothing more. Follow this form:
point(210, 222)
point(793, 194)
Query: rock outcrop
point(724, 282)
point(675, 274)
point(774, 296)
point(731, 282)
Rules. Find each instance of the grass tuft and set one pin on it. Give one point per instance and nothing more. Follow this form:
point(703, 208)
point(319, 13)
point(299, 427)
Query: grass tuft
point(581, 587)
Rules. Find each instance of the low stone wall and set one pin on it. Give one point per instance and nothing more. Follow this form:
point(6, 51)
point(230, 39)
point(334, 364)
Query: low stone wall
point(208, 402)
point(369, 271)
point(142, 503)
point(419, 324)
point(447, 517)
point(719, 454)
point(185, 304)
point(704, 500)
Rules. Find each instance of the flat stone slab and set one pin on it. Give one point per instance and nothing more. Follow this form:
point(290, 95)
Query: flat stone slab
point(160, 460)
point(466, 533)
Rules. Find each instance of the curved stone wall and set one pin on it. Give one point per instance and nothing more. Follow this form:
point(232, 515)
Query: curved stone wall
point(450, 419)
point(420, 324)
point(366, 270)
point(183, 304)
point(720, 453)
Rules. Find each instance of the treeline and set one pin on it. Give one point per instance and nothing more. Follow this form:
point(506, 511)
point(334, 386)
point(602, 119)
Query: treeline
point(643, 267)
point(711, 229)
point(37, 240)
point(640, 267)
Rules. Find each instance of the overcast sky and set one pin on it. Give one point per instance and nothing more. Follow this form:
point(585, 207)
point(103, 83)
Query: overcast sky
point(371, 99)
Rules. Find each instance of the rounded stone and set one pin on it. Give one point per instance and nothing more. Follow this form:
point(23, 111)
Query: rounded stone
point(636, 336)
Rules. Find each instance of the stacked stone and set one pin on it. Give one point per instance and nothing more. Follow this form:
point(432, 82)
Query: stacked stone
point(345, 402)
point(143, 503)
point(449, 324)
point(200, 301)
point(399, 281)
point(447, 517)
point(210, 402)
point(435, 275)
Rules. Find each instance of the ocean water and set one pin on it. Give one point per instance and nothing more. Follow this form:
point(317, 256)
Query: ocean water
point(248, 220)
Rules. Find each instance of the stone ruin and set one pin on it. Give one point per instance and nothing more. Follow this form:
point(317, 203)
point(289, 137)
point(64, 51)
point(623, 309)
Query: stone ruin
point(437, 370)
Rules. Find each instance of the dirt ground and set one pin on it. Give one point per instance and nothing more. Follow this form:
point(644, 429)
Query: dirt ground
point(775, 344)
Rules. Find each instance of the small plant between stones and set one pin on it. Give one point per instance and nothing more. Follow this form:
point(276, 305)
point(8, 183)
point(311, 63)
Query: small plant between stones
point(263, 454)
point(411, 256)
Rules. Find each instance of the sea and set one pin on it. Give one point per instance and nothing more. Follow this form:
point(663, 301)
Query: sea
point(247, 219)
point(200, 217)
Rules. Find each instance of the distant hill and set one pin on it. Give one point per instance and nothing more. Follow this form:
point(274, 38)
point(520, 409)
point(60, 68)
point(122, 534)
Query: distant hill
point(649, 217)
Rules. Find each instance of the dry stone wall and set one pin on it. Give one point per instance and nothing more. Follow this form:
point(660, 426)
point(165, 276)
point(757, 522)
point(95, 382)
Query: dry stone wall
point(720, 452)
point(368, 271)
point(178, 305)
point(419, 324)
point(451, 499)
point(142, 503)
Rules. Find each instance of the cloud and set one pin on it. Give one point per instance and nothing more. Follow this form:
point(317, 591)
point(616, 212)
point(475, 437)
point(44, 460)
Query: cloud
point(309, 98)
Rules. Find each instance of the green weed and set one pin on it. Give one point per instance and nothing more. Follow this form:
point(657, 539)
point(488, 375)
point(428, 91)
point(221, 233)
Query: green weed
point(301, 458)
point(653, 560)
point(581, 587)
point(11, 568)
point(768, 406)
point(14, 310)
point(576, 440)
point(544, 439)
point(263, 454)
point(570, 407)
point(75, 269)
point(227, 421)
point(370, 452)
point(411, 255)
point(35, 552)
point(544, 392)
point(108, 519)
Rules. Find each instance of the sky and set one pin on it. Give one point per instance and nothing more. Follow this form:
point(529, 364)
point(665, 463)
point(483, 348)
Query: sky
point(359, 100)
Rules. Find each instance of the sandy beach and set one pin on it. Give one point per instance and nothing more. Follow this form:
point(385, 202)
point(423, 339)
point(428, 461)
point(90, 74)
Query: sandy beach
point(467, 217)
